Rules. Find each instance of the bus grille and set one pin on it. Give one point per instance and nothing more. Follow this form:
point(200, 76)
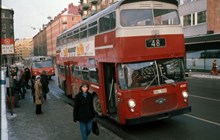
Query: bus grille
point(159, 104)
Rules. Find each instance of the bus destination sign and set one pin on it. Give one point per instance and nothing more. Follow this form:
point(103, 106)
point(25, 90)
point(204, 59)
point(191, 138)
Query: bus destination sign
point(155, 42)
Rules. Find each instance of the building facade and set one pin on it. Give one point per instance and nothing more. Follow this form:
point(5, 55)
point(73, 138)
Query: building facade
point(63, 21)
point(40, 42)
point(7, 35)
point(23, 48)
point(90, 7)
point(200, 20)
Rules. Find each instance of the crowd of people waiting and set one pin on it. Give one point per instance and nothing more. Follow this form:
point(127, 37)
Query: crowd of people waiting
point(21, 81)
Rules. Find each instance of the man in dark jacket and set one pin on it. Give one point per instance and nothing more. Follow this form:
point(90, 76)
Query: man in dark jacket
point(15, 90)
point(83, 110)
point(44, 81)
point(27, 77)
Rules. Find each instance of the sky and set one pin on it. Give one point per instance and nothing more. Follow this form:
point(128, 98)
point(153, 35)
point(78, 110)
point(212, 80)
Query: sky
point(32, 14)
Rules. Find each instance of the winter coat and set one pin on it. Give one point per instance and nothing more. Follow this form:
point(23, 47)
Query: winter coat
point(38, 92)
point(44, 81)
point(83, 108)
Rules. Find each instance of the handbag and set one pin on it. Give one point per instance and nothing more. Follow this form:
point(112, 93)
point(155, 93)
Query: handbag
point(95, 128)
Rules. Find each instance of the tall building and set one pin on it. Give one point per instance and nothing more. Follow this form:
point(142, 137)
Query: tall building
point(40, 42)
point(90, 7)
point(23, 48)
point(7, 35)
point(200, 20)
point(63, 21)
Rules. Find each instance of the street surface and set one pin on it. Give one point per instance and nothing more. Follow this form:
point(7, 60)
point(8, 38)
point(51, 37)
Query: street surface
point(203, 123)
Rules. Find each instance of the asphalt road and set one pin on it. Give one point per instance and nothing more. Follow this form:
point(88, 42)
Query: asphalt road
point(203, 123)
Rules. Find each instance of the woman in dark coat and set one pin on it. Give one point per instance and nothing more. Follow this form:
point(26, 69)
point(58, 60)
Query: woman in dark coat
point(83, 110)
point(44, 81)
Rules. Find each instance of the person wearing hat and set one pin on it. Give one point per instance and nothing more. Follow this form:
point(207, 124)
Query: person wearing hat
point(38, 94)
point(83, 110)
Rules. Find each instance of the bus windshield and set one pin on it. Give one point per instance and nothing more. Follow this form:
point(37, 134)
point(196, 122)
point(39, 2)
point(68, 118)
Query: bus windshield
point(149, 17)
point(145, 74)
point(42, 64)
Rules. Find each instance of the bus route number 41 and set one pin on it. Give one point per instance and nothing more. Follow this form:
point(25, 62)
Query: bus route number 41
point(155, 42)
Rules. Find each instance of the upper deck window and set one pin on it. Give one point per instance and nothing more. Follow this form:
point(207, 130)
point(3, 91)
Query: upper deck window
point(107, 22)
point(147, 17)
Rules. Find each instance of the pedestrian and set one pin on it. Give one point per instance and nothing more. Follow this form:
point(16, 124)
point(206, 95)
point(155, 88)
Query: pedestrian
point(83, 110)
point(27, 77)
point(22, 83)
point(38, 94)
point(214, 70)
point(44, 81)
point(15, 90)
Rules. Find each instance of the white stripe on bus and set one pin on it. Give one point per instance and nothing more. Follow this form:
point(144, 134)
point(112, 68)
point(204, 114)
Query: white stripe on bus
point(146, 31)
point(104, 47)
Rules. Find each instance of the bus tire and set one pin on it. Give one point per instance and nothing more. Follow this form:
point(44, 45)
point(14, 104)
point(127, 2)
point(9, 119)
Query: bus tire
point(96, 105)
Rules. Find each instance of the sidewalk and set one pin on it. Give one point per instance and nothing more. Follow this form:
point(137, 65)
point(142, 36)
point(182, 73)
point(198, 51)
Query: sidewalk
point(56, 122)
point(206, 75)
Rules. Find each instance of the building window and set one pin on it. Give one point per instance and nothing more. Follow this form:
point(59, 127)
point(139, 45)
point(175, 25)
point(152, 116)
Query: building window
point(201, 17)
point(187, 20)
point(3, 15)
point(3, 35)
point(11, 35)
point(3, 25)
point(64, 20)
point(64, 27)
point(10, 16)
point(11, 26)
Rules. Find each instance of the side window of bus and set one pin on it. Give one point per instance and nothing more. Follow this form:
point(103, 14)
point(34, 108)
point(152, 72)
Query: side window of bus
point(69, 37)
point(92, 28)
point(107, 22)
point(83, 32)
point(76, 34)
point(77, 72)
point(93, 74)
point(85, 73)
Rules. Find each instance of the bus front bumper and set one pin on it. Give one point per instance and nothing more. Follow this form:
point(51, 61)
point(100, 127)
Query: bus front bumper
point(156, 117)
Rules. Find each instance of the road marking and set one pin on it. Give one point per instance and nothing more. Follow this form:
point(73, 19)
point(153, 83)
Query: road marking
point(204, 98)
point(201, 119)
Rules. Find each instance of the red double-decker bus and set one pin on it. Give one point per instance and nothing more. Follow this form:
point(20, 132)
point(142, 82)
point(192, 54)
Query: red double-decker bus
point(132, 55)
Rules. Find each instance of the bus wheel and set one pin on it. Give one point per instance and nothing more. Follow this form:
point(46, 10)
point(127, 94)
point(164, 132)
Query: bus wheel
point(97, 105)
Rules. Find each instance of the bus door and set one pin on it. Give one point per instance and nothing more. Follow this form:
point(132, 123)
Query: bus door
point(67, 83)
point(110, 87)
point(76, 82)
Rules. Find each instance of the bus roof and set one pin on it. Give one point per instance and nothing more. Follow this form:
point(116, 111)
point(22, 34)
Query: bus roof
point(109, 9)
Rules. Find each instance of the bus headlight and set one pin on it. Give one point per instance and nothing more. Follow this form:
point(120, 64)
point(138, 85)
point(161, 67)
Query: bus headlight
point(185, 94)
point(131, 103)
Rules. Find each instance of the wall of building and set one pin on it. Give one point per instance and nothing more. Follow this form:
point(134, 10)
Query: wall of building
point(23, 48)
point(192, 8)
point(63, 21)
point(7, 31)
point(213, 15)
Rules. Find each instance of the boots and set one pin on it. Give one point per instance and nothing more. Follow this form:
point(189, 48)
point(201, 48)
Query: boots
point(11, 102)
